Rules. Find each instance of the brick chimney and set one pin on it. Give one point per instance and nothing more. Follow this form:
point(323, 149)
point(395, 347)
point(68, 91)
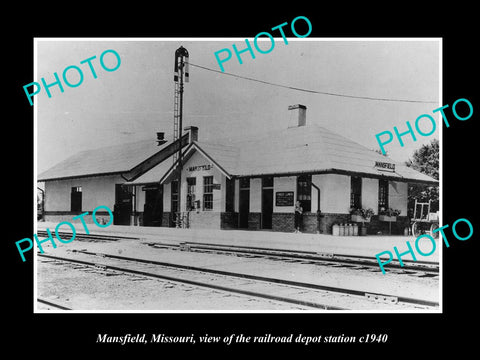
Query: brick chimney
point(298, 115)
point(192, 133)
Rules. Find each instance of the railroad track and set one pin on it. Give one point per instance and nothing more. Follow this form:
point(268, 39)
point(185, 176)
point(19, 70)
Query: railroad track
point(293, 292)
point(52, 304)
point(415, 268)
point(411, 268)
point(88, 237)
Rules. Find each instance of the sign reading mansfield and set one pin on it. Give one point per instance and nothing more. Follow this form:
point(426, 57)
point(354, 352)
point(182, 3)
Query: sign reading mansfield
point(384, 166)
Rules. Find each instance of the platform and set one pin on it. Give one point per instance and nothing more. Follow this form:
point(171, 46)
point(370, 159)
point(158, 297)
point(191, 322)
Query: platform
point(341, 245)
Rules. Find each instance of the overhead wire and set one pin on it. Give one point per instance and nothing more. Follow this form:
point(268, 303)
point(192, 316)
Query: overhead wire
point(312, 91)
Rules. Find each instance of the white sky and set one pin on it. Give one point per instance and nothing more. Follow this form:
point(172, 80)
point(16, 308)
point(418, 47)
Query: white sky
point(135, 101)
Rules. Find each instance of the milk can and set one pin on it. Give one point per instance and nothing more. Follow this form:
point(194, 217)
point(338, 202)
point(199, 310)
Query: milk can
point(341, 229)
point(355, 229)
point(335, 230)
point(349, 231)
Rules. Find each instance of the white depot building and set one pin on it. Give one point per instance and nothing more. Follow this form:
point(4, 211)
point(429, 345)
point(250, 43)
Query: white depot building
point(248, 184)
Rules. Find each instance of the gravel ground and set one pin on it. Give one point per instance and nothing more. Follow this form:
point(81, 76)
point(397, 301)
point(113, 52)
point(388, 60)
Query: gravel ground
point(98, 291)
point(82, 288)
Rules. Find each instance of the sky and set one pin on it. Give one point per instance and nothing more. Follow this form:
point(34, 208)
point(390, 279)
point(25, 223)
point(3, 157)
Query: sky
point(135, 101)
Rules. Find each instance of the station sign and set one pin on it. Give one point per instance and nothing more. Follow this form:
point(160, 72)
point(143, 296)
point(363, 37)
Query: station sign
point(199, 167)
point(150, 187)
point(284, 198)
point(384, 166)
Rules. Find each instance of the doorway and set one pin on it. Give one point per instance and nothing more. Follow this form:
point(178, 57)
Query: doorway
point(174, 203)
point(267, 202)
point(153, 208)
point(123, 205)
point(244, 203)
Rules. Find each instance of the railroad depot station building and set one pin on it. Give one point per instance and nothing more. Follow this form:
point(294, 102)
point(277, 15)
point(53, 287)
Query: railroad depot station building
point(248, 184)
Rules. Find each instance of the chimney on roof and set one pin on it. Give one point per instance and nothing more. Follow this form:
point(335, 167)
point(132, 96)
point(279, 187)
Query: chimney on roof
point(161, 138)
point(298, 115)
point(192, 133)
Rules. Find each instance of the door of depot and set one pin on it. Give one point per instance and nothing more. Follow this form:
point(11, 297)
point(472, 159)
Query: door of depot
point(123, 205)
point(267, 202)
point(174, 204)
point(153, 208)
point(244, 206)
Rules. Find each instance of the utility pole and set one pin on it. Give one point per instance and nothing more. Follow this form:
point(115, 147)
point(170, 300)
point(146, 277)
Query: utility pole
point(180, 71)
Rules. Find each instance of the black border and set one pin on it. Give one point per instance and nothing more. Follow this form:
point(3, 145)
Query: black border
point(408, 333)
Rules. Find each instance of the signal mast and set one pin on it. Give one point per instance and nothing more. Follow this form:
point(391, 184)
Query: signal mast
point(180, 74)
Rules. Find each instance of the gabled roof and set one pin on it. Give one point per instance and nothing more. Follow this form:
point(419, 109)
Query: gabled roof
point(153, 175)
point(131, 160)
point(107, 160)
point(314, 149)
point(226, 154)
point(305, 149)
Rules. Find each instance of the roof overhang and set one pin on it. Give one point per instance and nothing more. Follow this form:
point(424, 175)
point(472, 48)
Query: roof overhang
point(386, 176)
point(82, 176)
point(129, 174)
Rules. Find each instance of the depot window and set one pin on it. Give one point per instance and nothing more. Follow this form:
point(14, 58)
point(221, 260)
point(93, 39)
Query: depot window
point(175, 196)
point(382, 195)
point(244, 183)
point(208, 193)
point(356, 192)
point(304, 191)
point(76, 199)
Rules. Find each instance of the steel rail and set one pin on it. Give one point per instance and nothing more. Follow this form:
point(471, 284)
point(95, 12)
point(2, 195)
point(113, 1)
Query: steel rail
point(46, 302)
point(319, 287)
point(197, 283)
point(410, 265)
point(90, 236)
point(360, 260)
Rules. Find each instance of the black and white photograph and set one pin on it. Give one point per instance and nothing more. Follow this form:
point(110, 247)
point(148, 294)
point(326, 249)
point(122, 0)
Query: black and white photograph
point(174, 177)
point(218, 179)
